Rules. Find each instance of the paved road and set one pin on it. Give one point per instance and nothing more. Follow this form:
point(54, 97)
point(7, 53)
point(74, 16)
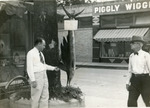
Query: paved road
point(102, 87)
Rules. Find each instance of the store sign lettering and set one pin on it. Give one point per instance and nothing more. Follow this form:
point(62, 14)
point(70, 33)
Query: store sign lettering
point(95, 20)
point(136, 6)
point(122, 7)
point(111, 8)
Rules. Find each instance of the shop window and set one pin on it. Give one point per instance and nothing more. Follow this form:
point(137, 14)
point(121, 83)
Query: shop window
point(116, 20)
point(124, 20)
point(115, 49)
point(13, 47)
point(142, 19)
point(84, 22)
point(127, 49)
point(110, 49)
point(107, 21)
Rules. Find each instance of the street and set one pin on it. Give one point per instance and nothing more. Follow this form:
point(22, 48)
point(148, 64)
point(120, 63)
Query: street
point(101, 87)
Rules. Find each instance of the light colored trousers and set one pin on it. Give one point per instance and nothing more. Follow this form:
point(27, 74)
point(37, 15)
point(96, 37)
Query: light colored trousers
point(40, 94)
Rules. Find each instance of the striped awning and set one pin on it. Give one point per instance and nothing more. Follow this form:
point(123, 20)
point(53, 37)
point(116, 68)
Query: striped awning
point(115, 35)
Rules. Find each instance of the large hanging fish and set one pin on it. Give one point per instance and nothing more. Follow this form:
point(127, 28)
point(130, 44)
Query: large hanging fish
point(66, 58)
point(67, 48)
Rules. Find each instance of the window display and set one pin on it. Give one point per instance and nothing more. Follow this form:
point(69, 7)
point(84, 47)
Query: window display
point(115, 50)
point(13, 46)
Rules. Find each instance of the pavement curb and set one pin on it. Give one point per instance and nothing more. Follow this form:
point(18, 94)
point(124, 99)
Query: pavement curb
point(102, 65)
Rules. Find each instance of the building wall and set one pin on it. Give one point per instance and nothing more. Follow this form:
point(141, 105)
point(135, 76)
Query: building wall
point(83, 36)
point(140, 20)
point(83, 43)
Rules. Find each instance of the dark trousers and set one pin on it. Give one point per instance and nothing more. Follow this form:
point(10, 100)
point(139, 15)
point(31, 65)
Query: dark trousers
point(140, 85)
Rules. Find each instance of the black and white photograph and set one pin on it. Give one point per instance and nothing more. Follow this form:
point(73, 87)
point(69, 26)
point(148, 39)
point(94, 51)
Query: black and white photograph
point(74, 53)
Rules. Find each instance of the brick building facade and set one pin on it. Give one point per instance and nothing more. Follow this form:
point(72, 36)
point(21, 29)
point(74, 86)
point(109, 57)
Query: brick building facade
point(112, 26)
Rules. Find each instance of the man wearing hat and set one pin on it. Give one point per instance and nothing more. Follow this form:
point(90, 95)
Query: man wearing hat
point(139, 73)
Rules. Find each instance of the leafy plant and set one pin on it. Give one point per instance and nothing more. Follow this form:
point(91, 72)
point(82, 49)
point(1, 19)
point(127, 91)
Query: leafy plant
point(67, 93)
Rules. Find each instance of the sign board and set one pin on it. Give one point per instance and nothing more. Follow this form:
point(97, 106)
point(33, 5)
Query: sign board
point(70, 24)
point(121, 7)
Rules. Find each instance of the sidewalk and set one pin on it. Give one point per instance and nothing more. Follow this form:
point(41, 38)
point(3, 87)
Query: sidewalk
point(102, 65)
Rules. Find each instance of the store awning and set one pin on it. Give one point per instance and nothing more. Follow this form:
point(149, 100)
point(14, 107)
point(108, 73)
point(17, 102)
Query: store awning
point(17, 7)
point(115, 35)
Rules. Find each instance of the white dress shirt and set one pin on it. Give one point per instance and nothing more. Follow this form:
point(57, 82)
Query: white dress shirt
point(34, 64)
point(139, 64)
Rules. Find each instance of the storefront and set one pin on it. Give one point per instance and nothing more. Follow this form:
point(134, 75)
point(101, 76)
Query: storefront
point(20, 24)
point(114, 24)
point(15, 41)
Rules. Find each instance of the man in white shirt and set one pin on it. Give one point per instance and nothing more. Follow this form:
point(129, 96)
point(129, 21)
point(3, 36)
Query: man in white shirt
point(36, 69)
point(139, 73)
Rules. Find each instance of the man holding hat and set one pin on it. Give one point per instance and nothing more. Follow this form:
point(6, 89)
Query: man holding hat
point(139, 73)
